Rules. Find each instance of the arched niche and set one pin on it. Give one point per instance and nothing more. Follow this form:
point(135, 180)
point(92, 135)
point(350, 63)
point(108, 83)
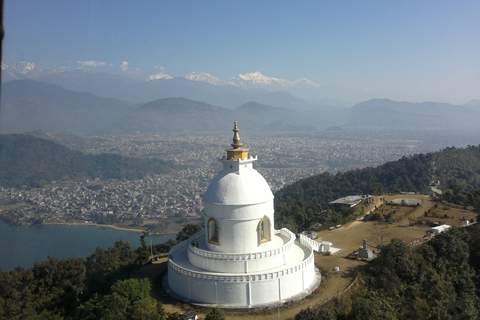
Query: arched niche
point(213, 232)
point(264, 227)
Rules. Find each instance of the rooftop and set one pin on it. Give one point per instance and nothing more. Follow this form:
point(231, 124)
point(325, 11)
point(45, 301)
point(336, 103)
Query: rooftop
point(349, 200)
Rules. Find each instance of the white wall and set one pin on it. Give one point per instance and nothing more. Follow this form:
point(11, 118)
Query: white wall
point(239, 226)
point(248, 289)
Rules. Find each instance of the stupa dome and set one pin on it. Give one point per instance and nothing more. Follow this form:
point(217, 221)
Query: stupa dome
point(238, 183)
point(238, 188)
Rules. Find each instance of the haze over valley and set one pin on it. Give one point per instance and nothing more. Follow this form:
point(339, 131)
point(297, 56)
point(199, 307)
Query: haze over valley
point(294, 137)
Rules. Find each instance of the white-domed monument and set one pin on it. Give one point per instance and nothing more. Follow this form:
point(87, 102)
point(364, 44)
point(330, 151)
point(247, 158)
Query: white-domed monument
point(239, 260)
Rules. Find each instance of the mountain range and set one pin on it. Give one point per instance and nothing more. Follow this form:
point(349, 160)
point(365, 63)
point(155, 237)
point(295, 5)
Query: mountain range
point(196, 86)
point(180, 115)
point(29, 70)
point(29, 105)
point(85, 102)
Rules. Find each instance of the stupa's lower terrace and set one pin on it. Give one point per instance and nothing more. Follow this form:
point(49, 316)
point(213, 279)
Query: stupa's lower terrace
point(279, 253)
point(240, 288)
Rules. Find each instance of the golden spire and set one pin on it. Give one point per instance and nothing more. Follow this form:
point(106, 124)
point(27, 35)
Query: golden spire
point(237, 152)
point(236, 138)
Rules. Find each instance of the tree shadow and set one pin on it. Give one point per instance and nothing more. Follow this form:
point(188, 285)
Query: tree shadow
point(352, 271)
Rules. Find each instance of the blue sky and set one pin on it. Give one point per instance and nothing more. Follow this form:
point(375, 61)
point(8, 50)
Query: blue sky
point(405, 50)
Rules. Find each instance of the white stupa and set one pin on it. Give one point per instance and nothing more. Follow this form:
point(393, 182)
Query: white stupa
point(239, 260)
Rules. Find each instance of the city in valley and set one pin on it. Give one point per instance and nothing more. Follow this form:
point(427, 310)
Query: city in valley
point(155, 202)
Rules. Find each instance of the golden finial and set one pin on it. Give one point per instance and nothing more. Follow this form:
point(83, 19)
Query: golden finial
point(236, 138)
point(237, 152)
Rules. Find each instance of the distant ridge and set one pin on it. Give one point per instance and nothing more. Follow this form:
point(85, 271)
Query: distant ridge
point(180, 115)
point(173, 115)
point(256, 116)
point(33, 105)
point(384, 113)
point(60, 137)
point(30, 161)
point(29, 105)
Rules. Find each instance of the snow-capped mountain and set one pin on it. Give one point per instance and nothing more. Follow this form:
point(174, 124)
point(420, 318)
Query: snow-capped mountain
point(304, 82)
point(258, 80)
point(21, 70)
point(24, 68)
point(252, 80)
point(124, 86)
point(205, 77)
point(161, 75)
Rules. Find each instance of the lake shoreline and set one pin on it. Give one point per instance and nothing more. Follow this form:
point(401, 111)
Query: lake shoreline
point(94, 225)
point(106, 226)
point(23, 245)
point(79, 224)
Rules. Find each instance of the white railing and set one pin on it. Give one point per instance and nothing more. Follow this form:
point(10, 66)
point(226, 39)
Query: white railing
point(177, 247)
point(306, 241)
point(266, 276)
point(241, 256)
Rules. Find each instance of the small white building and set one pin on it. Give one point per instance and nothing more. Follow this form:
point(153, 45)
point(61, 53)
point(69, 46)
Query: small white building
point(325, 246)
point(440, 229)
point(239, 260)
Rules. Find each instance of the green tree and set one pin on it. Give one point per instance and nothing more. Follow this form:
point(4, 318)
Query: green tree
point(132, 289)
point(147, 309)
point(374, 306)
point(215, 314)
point(114, 307)
point(131, 299)
point(105, 267)
point(187, 231)
point(317, 313)
point(143, 251)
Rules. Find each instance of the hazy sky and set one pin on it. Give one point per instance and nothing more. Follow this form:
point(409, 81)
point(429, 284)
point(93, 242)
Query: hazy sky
point(410, 50)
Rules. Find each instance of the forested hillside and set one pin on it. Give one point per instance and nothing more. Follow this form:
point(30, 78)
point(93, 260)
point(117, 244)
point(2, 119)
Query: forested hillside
point(298, 204)
point(438, 280)
point(26, 160)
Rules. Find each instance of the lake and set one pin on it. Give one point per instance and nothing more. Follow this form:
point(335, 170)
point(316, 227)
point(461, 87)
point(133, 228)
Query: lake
point(23, 245)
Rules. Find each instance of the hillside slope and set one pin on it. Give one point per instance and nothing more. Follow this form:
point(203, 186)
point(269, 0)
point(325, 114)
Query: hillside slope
point(451, 165)
point(33, 105)
point(26, 160)
point(305, 202)
point(173, 115)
